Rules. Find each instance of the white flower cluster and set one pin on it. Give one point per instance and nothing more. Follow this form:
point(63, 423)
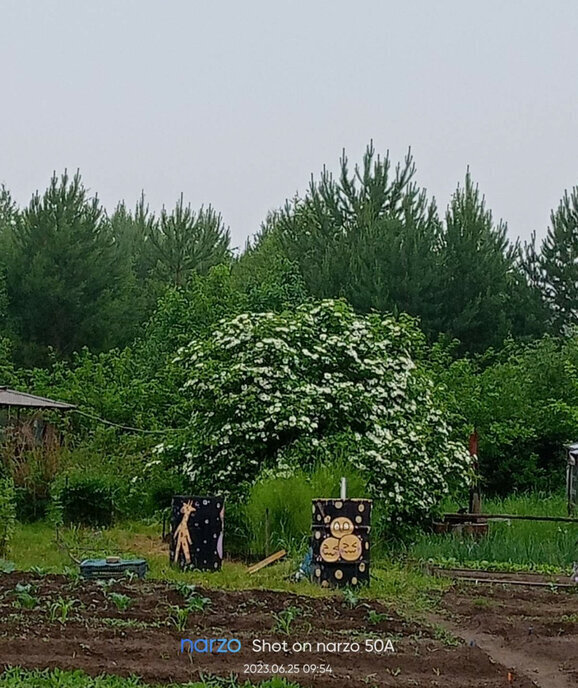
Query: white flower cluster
point(275, 391)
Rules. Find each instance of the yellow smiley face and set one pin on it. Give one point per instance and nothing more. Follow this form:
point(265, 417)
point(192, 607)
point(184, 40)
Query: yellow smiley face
point(341, 526)
point(350, 547)
point(330, 549)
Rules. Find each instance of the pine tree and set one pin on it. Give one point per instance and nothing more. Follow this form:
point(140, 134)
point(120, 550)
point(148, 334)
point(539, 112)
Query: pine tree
point(477, 272)
point(8, 220)
point(132, 230)
point(531, 313)
point(187, 242)
point(369, 235)
point(559, 262)
point(67, 279)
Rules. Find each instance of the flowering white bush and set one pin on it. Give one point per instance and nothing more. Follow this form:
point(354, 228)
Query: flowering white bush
point(279, 391)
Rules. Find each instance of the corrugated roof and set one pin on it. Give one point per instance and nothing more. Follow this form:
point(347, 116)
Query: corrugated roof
point(9, 397)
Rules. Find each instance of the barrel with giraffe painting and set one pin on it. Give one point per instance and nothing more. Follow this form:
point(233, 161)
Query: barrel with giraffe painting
point(197, 528)
point(340, 541)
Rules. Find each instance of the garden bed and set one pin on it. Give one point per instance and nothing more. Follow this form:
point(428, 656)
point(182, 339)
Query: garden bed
point(534, 629)
point(145, 637)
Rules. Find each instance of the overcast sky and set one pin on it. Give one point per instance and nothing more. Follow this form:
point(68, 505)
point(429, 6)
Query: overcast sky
point(236, 103)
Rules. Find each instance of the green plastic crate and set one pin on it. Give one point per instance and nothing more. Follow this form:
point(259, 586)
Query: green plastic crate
point(112, 567)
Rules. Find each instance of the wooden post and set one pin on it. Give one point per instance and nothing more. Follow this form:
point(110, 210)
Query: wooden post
point(267, 533)
point(475, 496)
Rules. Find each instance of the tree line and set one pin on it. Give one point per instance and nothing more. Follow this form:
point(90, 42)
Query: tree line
point(73, 275)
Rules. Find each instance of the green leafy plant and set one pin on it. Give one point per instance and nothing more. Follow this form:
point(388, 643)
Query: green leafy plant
point(284, 620)
point(24, 599)
point(178, 617)
point(7, 566)
point(374, 618)
point(38, 570)
point(81, 498)
point(60, 609)
point(121, 602)
point(7, 513)
point(444, 636)
point(73, 573)
point(185, 589)
point(194, 602)
point(197, 603)
point(350, 597)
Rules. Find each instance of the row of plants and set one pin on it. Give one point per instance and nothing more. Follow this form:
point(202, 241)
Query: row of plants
point(58, 678)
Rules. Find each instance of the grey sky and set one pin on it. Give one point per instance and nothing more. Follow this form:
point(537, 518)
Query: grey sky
point(237, 103)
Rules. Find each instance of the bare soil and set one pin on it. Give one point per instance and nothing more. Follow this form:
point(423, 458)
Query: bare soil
point(141, 640)
point(534, 629)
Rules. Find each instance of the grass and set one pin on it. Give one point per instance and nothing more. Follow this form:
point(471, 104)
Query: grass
point(34, 545)
point(514, 545)
point(510, 545)
point(57, 678)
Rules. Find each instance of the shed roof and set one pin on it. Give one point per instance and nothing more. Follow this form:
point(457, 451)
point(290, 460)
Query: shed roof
point(9, 397)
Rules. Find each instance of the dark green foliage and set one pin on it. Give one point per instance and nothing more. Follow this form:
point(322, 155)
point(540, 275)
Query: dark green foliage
point(7, 372)
point(7, 513)
point(477, 274)
point(160, 491)
point(85, 499)
point(103, 302)
point(373, 237)
point(131, 231)
point(29, 507)
point(8, 219)
point(522, 402)
point(67, 284)
point(368, 235)
point(184, 243)
point(559, 262)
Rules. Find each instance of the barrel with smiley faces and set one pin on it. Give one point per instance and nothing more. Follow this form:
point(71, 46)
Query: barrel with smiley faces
point(340, 541)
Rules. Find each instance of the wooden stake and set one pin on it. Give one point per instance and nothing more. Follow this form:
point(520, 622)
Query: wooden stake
point(265, 562)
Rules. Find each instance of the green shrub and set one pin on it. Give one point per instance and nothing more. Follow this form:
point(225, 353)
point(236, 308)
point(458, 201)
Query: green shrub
point(84, 499)
point(162, 489)
point(151, 491)
point(7, 513)
point(286, 391)
point(29, 506)
point(522, 401)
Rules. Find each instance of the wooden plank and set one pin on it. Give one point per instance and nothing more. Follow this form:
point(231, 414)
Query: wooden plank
point(265, 562)
point(513, 517)
point(509, 581)
point(515, 577)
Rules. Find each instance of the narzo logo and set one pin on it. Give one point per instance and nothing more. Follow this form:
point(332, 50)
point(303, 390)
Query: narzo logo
point(210, 645)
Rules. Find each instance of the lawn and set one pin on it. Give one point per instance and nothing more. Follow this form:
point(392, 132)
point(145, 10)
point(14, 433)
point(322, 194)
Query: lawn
point(396, 575)
point(34, 546)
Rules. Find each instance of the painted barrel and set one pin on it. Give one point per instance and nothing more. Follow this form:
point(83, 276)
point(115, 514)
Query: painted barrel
point(340, 541)
point(197, 528)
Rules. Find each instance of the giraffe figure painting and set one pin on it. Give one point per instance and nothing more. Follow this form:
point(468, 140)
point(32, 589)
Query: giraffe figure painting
point(197, 532)
point(182, 536)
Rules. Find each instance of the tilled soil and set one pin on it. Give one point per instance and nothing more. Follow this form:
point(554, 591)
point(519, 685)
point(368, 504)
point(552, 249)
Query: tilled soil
point(535, 628)
point(145, 640)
